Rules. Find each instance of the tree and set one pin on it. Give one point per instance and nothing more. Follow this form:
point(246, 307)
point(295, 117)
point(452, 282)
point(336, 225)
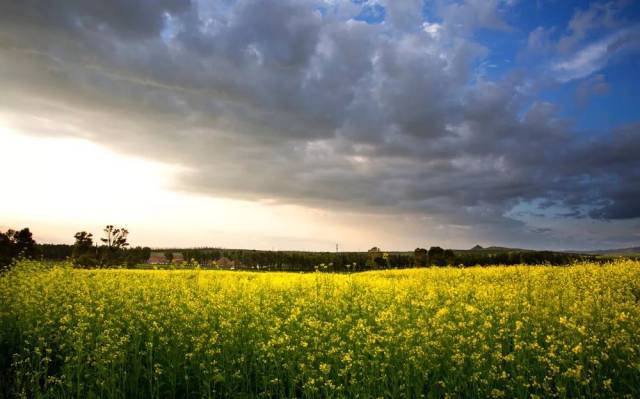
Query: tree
point(15, 244)
point(449, 256)
point(420, 257)
point(83, 253)
point(84, 242)
point(373, 254)
point(376, 259)
point(24, 243)
point(115, 243)
point(385, 260)
point(436, 256)
point(116, 237)
point(168, 256)
point(6, 249)
point(137, 255)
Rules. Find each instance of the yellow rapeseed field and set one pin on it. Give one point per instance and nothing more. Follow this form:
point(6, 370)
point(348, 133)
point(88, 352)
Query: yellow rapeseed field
point(512, 332)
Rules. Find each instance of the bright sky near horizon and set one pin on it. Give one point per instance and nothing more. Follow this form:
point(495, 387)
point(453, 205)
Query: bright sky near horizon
point(299, 124)
point(68, 185)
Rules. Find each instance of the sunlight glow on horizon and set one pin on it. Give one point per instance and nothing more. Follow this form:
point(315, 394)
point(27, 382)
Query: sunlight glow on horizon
point(58, 186)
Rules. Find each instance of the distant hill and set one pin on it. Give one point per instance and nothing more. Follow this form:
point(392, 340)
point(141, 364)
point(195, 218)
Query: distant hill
point(493, 249)
point(616, 251)
point(610, 252)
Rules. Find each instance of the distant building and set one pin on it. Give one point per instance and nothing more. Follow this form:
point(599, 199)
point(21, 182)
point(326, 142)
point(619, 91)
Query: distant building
point(225, 263)
point(158, 258)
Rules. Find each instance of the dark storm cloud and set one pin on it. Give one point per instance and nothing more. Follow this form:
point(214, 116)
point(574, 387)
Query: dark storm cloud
point(289, 100)
point(136, 19)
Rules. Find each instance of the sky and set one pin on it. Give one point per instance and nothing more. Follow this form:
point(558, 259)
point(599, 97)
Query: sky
point(302, 124)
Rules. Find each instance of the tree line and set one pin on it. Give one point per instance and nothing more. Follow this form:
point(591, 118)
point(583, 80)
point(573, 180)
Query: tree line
point(437, 256)
point(373, 259)
point(113, 249)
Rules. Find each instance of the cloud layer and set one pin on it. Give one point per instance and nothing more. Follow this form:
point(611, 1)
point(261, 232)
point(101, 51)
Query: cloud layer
point(296, 101)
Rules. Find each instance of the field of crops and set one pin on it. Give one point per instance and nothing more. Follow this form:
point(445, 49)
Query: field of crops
point(522, 332)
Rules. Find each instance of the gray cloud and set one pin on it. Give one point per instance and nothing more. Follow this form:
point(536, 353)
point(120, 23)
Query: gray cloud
point(595, 16)
point(594, 86)
point(574, 53)
point(281, 100)
point(596, 55)
point(137, 20)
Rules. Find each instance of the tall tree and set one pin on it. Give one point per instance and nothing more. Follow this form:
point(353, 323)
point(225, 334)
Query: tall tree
point(112, 252)
point(116, 237)
point(83, 253)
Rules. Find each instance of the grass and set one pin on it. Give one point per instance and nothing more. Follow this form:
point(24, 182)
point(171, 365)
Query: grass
point(520, 332)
